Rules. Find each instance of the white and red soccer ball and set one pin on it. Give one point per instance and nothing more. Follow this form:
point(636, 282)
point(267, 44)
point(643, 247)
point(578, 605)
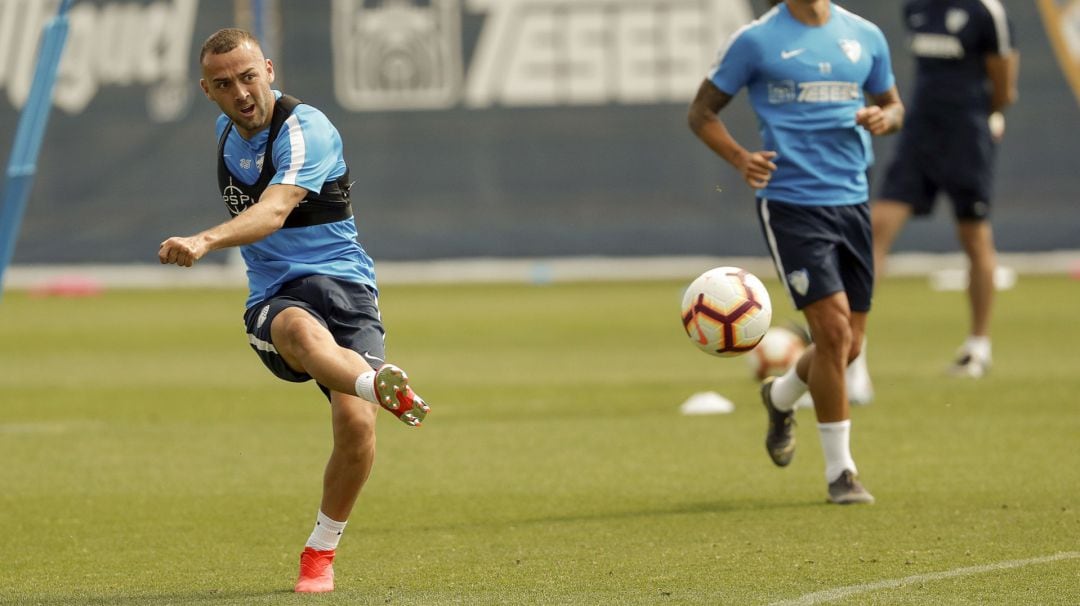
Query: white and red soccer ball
point(778, 351)
point(726, 311)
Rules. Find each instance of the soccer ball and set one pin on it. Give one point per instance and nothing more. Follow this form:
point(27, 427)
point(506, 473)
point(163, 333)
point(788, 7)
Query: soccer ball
point(726, 311)
point(778, 351)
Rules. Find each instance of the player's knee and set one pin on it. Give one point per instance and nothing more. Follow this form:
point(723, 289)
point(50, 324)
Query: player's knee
point(834, 335)
point(296, 333)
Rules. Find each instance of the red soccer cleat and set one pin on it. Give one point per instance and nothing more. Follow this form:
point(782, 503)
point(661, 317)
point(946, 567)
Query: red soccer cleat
point(394, 394)
point(316, 571)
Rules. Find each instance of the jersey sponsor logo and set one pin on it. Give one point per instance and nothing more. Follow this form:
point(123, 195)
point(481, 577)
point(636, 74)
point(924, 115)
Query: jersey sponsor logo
point(955, 20)
point(828, 92)
point(408, 54)
point(937, 46)
point(792, 53)
point(109, 44)
point(782, 91)
point(1062, 21)
point(852, 49)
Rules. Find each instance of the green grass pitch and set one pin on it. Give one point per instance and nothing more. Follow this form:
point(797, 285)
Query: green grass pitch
point(146, 457)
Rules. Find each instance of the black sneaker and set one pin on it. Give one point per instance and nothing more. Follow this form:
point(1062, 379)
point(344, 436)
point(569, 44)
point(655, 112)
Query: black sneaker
point(779, 438)
point(846, 490)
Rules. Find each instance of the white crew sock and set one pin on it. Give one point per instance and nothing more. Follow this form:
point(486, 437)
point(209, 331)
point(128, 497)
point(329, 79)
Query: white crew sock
point(835, 444)
point(365, 386)
point(786, 390)
point(978, 347)
point(326, 534)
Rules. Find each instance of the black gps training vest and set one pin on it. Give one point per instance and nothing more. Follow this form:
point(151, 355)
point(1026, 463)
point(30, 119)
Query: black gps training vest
point(329, 205)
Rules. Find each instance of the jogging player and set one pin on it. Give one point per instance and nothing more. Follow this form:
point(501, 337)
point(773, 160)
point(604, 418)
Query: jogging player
point(966, 71)
point(806, 65)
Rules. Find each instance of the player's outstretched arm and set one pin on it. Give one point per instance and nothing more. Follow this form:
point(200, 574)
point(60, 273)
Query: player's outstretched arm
point(755, 167)
point(255, 223)
point(1003, 71)
point(884, 115)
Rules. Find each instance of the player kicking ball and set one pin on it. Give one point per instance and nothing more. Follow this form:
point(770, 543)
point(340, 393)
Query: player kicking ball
point(312, 309)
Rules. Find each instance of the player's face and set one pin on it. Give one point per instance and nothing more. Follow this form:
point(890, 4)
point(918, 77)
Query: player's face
point(239, 82)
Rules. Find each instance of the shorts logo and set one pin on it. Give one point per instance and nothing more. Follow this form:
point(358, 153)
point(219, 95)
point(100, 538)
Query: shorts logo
point(262, 316)
point(799, 281)
point(955, 20)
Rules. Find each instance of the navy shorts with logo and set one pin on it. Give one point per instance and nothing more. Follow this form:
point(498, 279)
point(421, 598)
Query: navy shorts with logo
point(349, 310)
point(934, 155)
point(821, 250)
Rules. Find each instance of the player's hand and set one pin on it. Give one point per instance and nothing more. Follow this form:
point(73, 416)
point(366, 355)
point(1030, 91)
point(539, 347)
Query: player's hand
point(873, 119)
point(757, 168)
point(997, 126)
point(180, 251)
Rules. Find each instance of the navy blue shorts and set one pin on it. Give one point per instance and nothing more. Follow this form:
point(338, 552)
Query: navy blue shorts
point(821, 250)
point(349, 310)
point(939, 156)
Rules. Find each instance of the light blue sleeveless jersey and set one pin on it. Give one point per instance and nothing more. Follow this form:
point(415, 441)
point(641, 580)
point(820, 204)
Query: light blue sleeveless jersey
point(307, 153)
point(805, 84)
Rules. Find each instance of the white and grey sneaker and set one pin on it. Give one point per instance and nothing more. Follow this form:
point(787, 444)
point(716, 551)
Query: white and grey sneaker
point(846, 490)
point(969, 365)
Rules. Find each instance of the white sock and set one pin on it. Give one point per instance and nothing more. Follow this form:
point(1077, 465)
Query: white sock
point(365, 386)
point(978, 346)
point(835, 444)
point(787, 389)
point(327, 533)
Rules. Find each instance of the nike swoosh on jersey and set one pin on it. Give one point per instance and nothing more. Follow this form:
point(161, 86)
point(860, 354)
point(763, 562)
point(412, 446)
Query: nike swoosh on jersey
point(791, 53)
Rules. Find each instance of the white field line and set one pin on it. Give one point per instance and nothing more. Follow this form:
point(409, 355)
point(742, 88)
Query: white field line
point(527, 270)
point(831, 595)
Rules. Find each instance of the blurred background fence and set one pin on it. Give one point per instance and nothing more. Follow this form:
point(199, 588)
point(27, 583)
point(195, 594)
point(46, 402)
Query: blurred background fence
point(474, 128)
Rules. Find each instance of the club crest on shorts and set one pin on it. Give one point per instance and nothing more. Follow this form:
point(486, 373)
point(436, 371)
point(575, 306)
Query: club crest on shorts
point(265, 311)
point(799, 281)
point(955, 20)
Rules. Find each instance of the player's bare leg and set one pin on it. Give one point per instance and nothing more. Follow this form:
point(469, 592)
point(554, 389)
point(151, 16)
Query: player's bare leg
point(837, 337)
point(307, 346)
point(977, 239)
point(887, 218)
point(351, 460)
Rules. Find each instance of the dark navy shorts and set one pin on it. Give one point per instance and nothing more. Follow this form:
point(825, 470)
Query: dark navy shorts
point(350, 311)
point(821, 250)
point(954, 158)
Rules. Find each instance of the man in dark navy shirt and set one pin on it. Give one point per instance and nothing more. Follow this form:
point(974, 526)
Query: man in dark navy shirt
point(966, 70)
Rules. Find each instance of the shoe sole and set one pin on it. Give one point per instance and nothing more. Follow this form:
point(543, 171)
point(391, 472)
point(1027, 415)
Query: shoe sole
point(394, 394)
point(852, 499)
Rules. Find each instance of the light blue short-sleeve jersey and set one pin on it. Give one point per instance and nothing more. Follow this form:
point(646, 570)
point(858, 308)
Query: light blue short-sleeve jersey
point(806, 84)
point(307, 153)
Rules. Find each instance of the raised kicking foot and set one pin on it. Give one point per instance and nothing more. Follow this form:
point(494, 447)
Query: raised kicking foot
point(780, 436)
point(394, 394)
point(316, 571)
